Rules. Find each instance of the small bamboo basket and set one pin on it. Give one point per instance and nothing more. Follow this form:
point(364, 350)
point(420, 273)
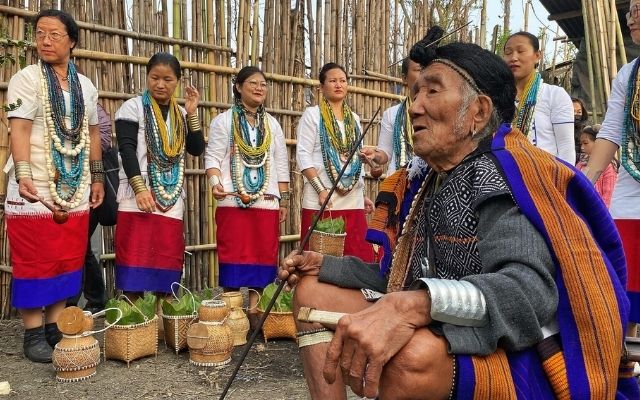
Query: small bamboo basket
point(176, 326)
point(278, 325)
point(130, 342)
point(175, 330)
point(327, 243)
point(76, 358)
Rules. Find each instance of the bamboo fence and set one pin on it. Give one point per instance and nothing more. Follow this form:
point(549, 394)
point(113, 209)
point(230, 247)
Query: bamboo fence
point(290, 41)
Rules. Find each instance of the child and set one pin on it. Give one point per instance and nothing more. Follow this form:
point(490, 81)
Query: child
point(604, 185)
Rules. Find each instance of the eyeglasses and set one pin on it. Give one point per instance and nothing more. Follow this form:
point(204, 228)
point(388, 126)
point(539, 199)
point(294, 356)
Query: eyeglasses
point(634, 11)
point(255, 84)
point(53, 36)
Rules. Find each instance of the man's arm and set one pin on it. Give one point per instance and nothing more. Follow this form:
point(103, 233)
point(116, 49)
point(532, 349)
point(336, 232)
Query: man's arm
point(517, 282)
point(351, 272)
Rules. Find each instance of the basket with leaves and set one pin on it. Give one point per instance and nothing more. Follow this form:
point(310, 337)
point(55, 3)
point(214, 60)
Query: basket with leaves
point(328, 236)
point(279, 322)
point(135, 335)
point(179, 313)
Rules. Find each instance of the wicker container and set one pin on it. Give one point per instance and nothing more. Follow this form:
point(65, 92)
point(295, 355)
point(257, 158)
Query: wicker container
point(213, 310)
point(75, 358)
point(327, 243)
point(88, 321)
point(130, 342)
point(233, 299)
point(278, 325)
point(210, 344)
point(175, 330)
point(239, 324)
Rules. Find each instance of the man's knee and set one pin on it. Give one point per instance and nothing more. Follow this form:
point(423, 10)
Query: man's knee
point(421, 370)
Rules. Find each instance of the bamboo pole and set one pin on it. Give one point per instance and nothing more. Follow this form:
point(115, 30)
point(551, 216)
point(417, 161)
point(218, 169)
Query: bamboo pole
point(587, 38)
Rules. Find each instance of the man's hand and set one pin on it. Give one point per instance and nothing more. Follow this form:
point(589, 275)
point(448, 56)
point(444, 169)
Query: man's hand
point(295, 266)
point(364, 342)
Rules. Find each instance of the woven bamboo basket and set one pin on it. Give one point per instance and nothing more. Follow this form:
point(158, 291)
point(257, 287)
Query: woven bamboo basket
point(213, 310)
point(327, 243)
point(130, 342)
point(278, 325)
point(210, 344)
point(233, 299)
point(239, 325)
point(175, 330)
point(75, 358)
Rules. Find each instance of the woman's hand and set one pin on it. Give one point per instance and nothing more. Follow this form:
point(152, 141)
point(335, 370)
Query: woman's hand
point(28, 190)
point(192, 98)
point(97, 194)
point(283, 213)
point(145, 201)
point(218, 192)
point(322, 196)
point(295, 266)
point(369, 207)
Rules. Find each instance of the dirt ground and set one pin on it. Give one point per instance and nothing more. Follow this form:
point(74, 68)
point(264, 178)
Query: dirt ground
point(271, 371)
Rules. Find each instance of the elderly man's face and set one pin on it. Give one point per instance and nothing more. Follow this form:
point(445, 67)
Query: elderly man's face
point(441, 127)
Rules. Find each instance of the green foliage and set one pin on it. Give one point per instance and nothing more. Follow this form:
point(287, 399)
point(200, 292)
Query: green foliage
point(186, 303)
point(12, 106)
point(331, 225)
point(283, 302)
point(146, 307)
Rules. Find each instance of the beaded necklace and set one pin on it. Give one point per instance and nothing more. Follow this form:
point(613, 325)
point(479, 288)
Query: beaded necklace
point(403, 135)
point(246, 157)
point(336, 148)
point(165, 150)
point(65, 145)
point(527, 104)
point(630, 145)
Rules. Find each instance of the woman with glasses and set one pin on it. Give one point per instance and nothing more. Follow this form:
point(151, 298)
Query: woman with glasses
point(326, 134)
point(154, 134)
point(544, 112)
point(55, 157)
point(248, 170)
point(621, 130)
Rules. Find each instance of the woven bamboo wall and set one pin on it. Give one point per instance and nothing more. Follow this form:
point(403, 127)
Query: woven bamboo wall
point(290, 41)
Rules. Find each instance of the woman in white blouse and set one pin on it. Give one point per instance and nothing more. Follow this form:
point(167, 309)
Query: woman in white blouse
point(545, 112)
point(325, 135)
point(247, 166)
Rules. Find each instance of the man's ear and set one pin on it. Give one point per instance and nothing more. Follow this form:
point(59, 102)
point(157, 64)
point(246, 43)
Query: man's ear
point(483, 111)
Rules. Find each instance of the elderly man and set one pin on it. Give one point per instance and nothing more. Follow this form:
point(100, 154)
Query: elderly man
point(503, 273)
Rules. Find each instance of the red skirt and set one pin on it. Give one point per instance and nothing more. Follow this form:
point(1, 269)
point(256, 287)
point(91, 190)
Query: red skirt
point(248, 241)
point(356, 228)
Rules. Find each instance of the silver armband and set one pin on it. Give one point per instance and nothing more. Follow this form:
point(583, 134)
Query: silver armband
point(455, 302)
point(214, 180)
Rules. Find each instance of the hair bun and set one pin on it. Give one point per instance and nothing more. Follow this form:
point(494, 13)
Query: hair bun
point(424, 51)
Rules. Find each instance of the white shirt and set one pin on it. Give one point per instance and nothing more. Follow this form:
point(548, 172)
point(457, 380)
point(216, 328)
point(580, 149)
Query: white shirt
point(385, 141)
point(218, 155)
point(552, 129)
point(309, 155)
point(625, 203)
point(25, 85)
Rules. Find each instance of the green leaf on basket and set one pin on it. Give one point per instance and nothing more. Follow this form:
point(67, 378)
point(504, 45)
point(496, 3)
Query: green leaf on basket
point(131, 315)
point(283, 302)
point(185, 304)
point(331, 225)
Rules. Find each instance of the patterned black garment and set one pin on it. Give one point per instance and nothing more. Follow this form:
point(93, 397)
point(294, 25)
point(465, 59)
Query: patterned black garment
point(452, 220)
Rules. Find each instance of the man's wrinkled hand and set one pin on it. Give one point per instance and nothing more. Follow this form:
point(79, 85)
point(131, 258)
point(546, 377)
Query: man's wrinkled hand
point(295, 266)
point(365, 341)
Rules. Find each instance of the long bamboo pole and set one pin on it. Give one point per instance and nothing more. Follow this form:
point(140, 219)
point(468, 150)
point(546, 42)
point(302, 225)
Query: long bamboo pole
point(587, 38)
